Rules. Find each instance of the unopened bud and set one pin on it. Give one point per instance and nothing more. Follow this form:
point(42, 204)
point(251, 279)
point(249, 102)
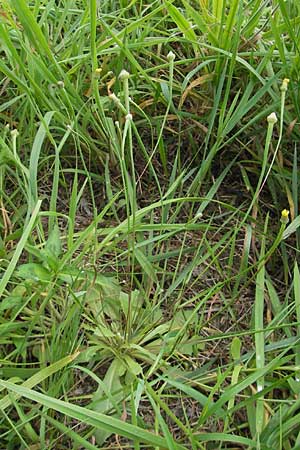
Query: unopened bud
point(14, 133)
point(124, 75)
point(98, 72)
point(284, 216)
point(170, 56)
point(284, 85)
point(272, 118)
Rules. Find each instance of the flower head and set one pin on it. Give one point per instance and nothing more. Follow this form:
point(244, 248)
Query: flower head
point(284, 85)
point(284, 216)
point(14, 133)
point(124, 75)
point(170, 56)
point(272, 118)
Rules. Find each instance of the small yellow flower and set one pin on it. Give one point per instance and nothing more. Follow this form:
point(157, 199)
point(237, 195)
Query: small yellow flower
point(98, 72)
point(284, 216)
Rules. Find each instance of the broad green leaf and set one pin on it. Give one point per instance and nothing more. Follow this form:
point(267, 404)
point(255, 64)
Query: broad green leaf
point(34, 272)
point(133, 366)
point(108, 394)
point(53, 244)
point(235, 348)
point(134, 300)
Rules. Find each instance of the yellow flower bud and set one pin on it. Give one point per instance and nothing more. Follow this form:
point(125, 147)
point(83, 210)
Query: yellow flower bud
point(98, 72)
point(284, 85)
point(284, 216)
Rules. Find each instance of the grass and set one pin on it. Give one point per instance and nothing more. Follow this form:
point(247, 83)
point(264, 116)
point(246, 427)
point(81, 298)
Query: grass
point(149, 227)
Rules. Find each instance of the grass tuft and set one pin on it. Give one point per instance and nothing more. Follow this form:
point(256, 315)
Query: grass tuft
point(149, 224)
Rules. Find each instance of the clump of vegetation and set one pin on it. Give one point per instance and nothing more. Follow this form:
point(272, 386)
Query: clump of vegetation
point(149, 227)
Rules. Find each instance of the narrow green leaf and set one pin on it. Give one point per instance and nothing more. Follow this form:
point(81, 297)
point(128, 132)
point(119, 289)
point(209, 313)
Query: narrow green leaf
point(92, 418)
point(145, 264)
point(34, 159)
point(20, 246)
point(40, 376)
point(31, 27)
point(219, 437)
point(297, 304)
point(183, 24)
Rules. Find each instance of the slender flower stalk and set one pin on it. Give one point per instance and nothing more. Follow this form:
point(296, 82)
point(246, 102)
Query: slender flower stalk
point(283, 89)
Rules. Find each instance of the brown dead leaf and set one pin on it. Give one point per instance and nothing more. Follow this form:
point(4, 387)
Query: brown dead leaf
point(291, 127)
point(197, 82)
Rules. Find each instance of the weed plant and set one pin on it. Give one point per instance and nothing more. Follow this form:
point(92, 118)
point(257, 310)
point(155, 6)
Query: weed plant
point(149, 226)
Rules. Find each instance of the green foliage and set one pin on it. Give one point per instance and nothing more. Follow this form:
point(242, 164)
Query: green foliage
point(149, 283)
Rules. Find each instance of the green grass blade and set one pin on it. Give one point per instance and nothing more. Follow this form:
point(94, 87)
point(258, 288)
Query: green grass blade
point(34, 160)
point(32, 28)
point(92, 418)
point(20, 246)
point(259, 335)
point(297, 305)
point(40, 376)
